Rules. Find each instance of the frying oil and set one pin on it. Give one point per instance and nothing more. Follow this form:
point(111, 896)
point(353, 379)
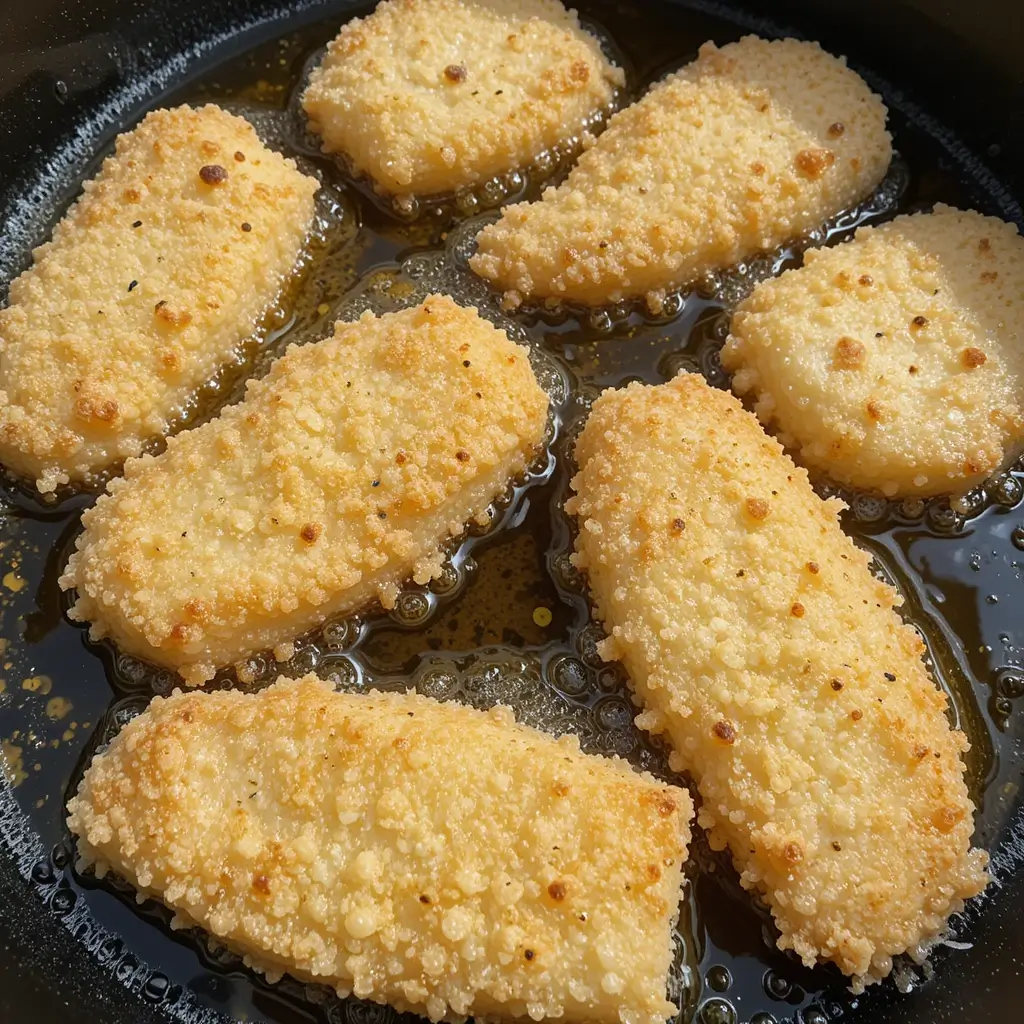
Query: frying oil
point(508, 619)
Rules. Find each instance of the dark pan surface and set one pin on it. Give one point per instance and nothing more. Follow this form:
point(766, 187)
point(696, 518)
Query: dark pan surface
point(85, 951)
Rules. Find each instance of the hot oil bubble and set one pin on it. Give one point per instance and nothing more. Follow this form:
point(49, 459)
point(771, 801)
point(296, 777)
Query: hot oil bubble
point(304, 660)
point(340, 634)
point(1010, 684)
point(776, 985)
point(969, 504)
point(570, 676)
point(342, 673)
point(718, 978)
point(717, 1011)
point(446, 580)
point(412, 609)
point(439, 683)
point(590, 636)
point(943, 518)
point(869, 508)
point(613, 713)
point(1007, 490)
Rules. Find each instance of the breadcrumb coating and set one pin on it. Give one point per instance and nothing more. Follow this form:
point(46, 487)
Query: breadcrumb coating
point(336, 479)
point(429, 96)
point(752, 145)
point(152, 280)
point(894, 362)
point(435, 857)
point(779, 670)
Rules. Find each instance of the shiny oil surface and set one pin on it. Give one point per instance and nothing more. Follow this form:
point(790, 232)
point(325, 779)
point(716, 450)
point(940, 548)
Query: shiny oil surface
point(508, 620)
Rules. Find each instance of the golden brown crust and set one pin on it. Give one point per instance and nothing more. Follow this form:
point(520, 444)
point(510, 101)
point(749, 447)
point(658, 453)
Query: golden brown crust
point(779, 670)
point(148, 287)
point(335, 480)
point(730, 156)
point(429, 96)
point(439, 858)
point(895, 361)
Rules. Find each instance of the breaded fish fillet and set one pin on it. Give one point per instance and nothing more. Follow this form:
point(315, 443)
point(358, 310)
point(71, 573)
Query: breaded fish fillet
point(337, 478)
point(748, 147)
point(429, 96)
point(780, 672)
point(894, 362)
point(427, 855)
point(152, 281)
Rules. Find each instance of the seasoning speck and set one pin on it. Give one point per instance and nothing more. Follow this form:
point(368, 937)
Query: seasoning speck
point(725, 731)
point(133, 286)
point(213, 174)
point(246, 226)
point(455, 73)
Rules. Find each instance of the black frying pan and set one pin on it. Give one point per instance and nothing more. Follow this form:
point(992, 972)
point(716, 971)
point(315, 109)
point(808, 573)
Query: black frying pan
point(71, 76)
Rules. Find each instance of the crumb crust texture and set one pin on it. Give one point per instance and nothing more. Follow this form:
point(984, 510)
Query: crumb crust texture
point(340, 476)
point(750, 146)
point(442, 859)
point(893, 362)
point(780, 672)
point(431, 96)
point(152, 281)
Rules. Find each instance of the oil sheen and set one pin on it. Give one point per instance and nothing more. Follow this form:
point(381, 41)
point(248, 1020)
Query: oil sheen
point(508, 619)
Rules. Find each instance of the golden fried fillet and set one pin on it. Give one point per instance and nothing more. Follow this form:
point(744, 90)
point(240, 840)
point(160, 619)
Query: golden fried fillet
point(338, 477)
point(152, 281)
point(894, 362)
point(431, 856)
point(778, 668)
point(748, 147)
point(429, 96)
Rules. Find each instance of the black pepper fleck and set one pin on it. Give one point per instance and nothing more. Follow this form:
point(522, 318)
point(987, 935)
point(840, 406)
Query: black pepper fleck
point(137, 224)
point(890, 677)
point(246, 226)
point(133, 286)
point(466, 362)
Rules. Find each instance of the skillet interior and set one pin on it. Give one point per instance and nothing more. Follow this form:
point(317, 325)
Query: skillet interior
point(73, 943)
